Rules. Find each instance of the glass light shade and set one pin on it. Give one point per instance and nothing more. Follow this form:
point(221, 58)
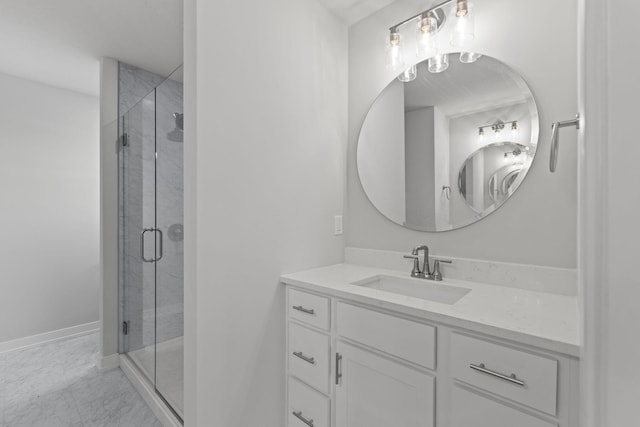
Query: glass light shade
point(438, 63)
point(469, 57)
point(409, 74)
point(393, 54)
point(514, 130)
point(463, 30)
point(426, 37)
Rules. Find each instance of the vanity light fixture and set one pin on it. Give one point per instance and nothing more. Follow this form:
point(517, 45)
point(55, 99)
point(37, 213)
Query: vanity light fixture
point(464, 25)
point(438, 63)
point(426, 35)
point(429, 23)
point(394, 55)
point(497, 127)
point(409, 74)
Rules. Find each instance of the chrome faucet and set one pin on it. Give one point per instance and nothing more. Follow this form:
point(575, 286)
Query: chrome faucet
point(424, 272)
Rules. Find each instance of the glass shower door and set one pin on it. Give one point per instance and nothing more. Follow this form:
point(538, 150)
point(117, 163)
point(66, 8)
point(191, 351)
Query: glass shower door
point(169, 219)
point(151, 239)
point(140, 242)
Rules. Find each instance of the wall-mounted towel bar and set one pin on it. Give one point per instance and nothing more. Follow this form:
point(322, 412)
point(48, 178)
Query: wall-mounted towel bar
point(555, 137)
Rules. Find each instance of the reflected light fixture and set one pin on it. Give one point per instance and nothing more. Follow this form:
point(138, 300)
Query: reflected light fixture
point(429, 23)
point(514, 129)
point(438, 63)
point(497, 127)
point(469, 57)
point(409, 74)
point(481, 135)
point(394, 56)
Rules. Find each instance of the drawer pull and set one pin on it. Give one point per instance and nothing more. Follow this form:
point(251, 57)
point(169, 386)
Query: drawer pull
point(299, 416)
point(304, 310)
point(301, 355)
point(511, 378)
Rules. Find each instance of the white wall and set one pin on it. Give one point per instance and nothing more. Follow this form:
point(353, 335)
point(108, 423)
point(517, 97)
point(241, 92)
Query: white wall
point(49, 256)
point(622, 213)
point(519, 33)
point(268, 95)
point(109, 321)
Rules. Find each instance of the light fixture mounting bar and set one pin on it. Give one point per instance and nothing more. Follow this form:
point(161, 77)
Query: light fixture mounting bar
point(432, 9)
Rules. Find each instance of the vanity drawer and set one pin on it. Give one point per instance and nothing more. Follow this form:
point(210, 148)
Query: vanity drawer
point(307, 407)
point(481, 363)
point(471, 409)
point(309, 356)
point(309, 308)
point(408, 340)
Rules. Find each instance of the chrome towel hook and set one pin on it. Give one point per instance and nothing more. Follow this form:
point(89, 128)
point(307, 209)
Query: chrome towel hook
point(553, 162)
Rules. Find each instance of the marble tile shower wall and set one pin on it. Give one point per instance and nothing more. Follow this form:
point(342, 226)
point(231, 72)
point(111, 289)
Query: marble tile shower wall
point(145, 187)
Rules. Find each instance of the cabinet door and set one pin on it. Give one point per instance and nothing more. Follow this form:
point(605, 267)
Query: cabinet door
point(374, 391)
point(471, 409)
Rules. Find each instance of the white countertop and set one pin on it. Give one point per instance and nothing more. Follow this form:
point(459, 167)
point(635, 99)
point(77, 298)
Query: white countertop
point(545, 320)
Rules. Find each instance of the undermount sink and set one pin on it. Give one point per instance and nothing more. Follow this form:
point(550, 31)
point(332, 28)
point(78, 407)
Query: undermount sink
point(418, 288)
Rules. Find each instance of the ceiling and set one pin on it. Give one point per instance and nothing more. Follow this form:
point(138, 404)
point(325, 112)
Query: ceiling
point(352, 11)
point(61, 42)
point(466, 88)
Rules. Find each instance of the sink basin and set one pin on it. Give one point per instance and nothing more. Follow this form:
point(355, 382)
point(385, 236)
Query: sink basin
point(417, 288)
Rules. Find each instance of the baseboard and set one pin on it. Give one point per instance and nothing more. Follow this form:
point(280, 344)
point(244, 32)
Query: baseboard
point(146, 390)
point(60, 334)
point(106, 363)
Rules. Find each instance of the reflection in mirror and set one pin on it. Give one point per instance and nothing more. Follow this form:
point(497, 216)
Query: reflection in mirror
point(445, 150)
point(491, 174)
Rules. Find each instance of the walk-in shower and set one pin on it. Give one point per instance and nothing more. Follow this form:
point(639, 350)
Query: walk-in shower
point(151, 229)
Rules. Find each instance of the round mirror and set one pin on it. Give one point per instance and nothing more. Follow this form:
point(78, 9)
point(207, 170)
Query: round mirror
point(447, 149)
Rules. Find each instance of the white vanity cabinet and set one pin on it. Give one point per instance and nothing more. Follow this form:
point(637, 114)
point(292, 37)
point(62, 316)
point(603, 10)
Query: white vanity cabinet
point(375, 391)
point(352, 364)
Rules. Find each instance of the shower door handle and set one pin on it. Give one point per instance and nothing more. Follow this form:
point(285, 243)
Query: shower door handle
point(161, 244)
point(142, 245)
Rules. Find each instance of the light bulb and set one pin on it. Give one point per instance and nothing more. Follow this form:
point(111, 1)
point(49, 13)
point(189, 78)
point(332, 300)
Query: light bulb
point(409, 74)
point(469, 57)
point(394, 56)
point(464, 26)
point(497, 134)
point(481, 135)
point(426, 35)
point(438, 63)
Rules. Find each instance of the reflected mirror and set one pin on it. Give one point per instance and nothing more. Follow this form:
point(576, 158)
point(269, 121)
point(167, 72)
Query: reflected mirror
point(447, 149)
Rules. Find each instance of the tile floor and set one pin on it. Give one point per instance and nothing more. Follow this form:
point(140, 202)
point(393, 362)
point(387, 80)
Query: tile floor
point(58, 385)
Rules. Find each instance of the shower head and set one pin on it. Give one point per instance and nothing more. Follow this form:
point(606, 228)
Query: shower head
point(179, 120)
point(176, 134)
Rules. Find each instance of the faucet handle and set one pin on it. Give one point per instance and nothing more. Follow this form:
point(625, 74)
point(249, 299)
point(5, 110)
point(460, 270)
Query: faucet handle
point(415, 272)
point(437, 275)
